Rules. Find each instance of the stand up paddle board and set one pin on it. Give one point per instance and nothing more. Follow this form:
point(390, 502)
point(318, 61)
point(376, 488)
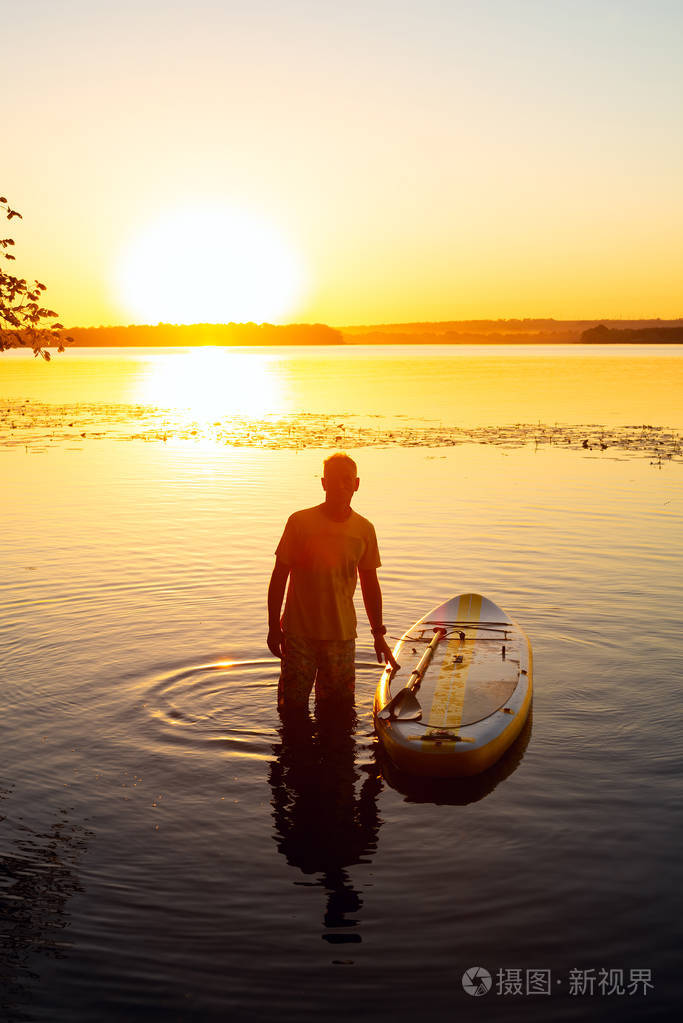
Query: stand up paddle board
point(463, 691)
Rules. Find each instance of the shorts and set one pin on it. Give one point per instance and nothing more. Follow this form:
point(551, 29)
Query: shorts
point(329, 663)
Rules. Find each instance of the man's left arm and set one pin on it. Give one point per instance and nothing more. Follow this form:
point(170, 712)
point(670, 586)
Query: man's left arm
point(372, 598)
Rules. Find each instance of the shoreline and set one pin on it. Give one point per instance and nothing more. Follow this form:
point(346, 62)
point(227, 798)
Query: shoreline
point(360, 342)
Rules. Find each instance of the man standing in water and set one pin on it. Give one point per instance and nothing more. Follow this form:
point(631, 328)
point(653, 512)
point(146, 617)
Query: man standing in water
point(322, 552)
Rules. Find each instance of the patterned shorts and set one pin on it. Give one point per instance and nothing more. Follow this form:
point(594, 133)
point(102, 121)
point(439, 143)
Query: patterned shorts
point(330, 663)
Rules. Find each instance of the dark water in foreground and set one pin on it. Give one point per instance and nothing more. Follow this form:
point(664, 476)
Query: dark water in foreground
point(169, 852)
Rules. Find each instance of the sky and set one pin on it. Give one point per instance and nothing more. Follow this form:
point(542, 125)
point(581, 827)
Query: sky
point(365, 162)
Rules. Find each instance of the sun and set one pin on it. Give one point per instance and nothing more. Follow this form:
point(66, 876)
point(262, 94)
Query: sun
point(209, 264)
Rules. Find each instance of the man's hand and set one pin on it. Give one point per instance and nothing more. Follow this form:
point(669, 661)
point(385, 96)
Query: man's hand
point(384, 654)
point(276, 592)
point(276, 639)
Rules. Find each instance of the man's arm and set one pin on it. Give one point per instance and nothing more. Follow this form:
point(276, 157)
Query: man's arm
point(276, 593)
point(372, 598)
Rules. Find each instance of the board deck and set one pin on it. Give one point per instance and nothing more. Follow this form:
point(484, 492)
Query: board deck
point(474, 696)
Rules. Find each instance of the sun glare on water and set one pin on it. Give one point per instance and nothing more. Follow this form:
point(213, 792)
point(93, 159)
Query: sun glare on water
point(209, 265)
point(212, 383)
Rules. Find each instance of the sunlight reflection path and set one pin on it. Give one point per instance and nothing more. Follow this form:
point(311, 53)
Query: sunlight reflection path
point(206, 382)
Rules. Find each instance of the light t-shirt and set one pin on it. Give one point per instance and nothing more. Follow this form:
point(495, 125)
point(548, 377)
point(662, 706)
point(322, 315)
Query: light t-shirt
point(323, 558)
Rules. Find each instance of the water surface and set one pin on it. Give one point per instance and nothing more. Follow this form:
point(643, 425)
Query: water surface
point(169, 852)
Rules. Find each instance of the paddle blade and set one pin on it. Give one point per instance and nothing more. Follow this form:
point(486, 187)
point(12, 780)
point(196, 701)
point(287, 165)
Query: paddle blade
point(403, 707)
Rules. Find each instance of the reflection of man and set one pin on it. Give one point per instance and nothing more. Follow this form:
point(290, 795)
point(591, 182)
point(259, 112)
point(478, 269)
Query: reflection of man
point(322, 552)
point(323, 823)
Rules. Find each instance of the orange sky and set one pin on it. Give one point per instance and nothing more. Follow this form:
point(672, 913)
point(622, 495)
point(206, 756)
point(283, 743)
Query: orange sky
point(368, 162)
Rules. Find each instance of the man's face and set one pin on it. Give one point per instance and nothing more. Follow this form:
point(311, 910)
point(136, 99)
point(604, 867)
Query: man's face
point(340, 484)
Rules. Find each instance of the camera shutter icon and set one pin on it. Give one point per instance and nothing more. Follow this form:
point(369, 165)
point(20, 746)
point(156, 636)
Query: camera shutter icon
point(476, 981)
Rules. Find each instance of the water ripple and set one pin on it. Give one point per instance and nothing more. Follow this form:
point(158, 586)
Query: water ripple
point(225, 706)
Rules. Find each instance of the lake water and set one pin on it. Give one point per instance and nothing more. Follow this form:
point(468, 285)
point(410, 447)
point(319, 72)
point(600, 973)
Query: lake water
point(169, 853)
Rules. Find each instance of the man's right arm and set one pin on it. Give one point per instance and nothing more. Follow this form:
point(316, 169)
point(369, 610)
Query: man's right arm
point(276, 593)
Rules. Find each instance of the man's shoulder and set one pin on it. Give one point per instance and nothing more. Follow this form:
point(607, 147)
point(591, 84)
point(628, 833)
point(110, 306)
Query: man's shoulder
point(305, 513)
point(362, 521)
point(316, 515)
point(303, 518)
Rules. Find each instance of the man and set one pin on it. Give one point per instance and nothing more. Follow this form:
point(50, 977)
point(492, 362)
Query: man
point(322, 552)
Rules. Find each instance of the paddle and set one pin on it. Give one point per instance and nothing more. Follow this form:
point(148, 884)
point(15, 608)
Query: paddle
point(404, 706)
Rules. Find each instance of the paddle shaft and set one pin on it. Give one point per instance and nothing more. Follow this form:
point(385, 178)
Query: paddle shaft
point(420, 668)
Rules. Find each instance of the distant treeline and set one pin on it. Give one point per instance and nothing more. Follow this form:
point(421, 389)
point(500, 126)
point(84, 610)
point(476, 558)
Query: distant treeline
point(459, 337)
point(473, 327)
point(602, 335)
point(516, 332)
point(501, 328)
point(451, 332)
point(168, 335)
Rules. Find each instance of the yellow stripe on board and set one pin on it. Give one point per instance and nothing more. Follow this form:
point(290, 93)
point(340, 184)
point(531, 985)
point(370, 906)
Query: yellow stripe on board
point(449, 696)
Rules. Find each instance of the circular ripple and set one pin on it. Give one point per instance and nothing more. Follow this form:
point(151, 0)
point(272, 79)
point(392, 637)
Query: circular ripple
point(226, 704)
point(230, 707)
